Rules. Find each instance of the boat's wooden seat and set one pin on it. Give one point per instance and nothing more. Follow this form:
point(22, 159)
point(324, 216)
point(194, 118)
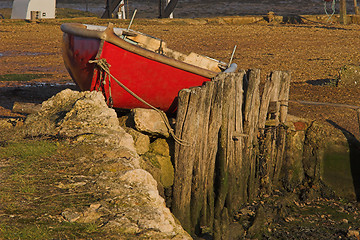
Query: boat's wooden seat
point(159, 46)
point(194, 59)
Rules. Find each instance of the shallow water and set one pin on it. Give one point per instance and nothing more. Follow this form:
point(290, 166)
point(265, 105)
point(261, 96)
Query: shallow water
point(208, 8)
point(24, 53)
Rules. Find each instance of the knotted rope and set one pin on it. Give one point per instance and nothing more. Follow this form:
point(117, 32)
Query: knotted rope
point(105, 66)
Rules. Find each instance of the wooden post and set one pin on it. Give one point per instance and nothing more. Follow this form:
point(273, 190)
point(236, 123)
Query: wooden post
point(209, 118)
point(356, 8)
point(162, 4)
point(229, 160)
point(110, 8)
point(217, 172)
point(343, 15)
point(273, 113)
point(251, 121)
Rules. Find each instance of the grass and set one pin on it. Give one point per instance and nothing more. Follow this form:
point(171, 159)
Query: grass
point(31, 201)
point(42, 231)
point(21, 77)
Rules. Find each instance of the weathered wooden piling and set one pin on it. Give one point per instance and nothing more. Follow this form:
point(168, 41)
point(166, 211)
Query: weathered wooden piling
point(222, 166)
point(272, 116)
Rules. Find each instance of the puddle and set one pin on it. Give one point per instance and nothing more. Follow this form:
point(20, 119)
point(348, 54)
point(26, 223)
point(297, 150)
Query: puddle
point(42, 84)
point(17, 53)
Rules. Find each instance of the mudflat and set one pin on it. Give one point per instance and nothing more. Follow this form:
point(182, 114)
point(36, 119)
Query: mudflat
point(312, 51)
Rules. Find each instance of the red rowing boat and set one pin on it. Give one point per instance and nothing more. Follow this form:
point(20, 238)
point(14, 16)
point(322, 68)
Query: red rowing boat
point(124, 63)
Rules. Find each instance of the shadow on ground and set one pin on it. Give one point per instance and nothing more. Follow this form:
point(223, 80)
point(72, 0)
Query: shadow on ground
point(354, 146)
point(323, 82)
point(36, 93)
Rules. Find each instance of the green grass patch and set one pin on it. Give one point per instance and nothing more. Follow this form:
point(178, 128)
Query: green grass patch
point(31, 200)
point(29, 151)
point(27, 232)
point(40, 231)
point(22, 77)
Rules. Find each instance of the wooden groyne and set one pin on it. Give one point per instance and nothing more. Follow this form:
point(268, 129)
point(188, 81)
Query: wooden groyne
point(225, 163)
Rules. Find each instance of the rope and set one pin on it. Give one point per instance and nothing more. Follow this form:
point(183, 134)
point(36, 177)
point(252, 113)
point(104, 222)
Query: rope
point(105, 66)
point(353, 107)
point(332, 8)
point(324, 104)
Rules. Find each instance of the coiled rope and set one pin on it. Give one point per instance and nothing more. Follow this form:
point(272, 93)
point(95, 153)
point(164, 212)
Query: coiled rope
point(332, 8)
point(105, 66)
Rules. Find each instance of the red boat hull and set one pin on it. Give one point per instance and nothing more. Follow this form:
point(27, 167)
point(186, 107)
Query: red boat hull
point(153, 81)
point(77, 51)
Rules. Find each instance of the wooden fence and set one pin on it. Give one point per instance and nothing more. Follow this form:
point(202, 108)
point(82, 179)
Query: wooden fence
point(223, 166)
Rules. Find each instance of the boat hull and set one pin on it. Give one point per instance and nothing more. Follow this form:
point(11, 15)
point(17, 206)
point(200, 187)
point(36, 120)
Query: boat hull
point(154, 81)
point(77, 52)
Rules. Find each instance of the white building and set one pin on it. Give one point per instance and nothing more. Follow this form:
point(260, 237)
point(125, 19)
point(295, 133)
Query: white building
point(41, 9)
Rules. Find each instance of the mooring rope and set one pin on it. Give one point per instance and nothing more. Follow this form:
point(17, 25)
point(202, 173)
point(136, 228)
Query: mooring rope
point(105, 66)
point(332, 8)
point(353, 107)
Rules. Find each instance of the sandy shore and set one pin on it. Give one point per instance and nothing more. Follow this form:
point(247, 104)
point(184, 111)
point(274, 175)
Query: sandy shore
point(313, 52)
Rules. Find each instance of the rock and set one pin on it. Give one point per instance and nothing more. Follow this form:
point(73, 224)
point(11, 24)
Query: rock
point(141, 141)
point(313, 153)
point(236, 231)
point(137, 207)
point(292, 171)
point(260, 221)
point(6, 124)
point(349, 76)
point(162, 168)
point(25, 108)
point(161, 147)
point(150, 122)
point(91, 215)
point(270, 16)
point(70, 216)
point(83, 116)
point(158, 162)
point(353, 233)
point(162, 220)
point(130, 204)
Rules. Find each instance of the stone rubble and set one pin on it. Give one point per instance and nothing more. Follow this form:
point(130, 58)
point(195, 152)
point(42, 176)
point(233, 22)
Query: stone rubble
point(149, 121)
point(132, 206)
